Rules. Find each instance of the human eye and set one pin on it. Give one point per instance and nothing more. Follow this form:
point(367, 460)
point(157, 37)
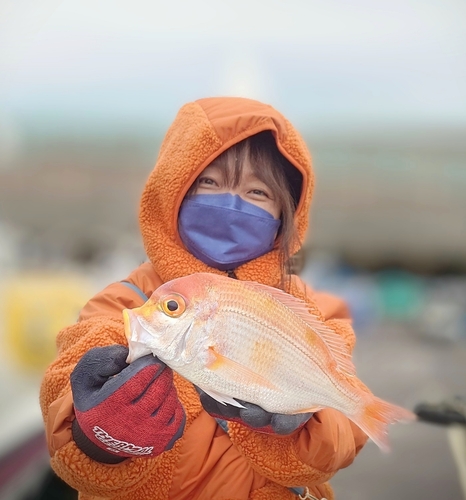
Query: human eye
point(207, 181)
point(260, 193)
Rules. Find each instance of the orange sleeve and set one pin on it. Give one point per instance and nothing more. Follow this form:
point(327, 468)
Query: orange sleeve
point(117, 296)
point(328, 442)
point(100, 324)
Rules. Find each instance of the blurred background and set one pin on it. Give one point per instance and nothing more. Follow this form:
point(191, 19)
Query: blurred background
point(377, 89)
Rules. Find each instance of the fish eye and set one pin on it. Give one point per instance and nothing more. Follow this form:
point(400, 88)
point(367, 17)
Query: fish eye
point(173, 305)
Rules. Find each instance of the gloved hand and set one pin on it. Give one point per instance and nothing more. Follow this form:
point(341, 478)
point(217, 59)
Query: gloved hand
point(124, 410)
point(253, 416)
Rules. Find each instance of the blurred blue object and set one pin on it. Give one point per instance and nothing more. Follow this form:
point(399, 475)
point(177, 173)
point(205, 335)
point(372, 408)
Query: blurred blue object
point(359, 290)
point(434, 306)
point(402, 294)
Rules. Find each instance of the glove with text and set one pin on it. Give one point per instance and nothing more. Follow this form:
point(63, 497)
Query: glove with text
point(253, 416)
point(124, 410)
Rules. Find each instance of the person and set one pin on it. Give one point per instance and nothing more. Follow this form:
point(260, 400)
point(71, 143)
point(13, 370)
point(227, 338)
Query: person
point(230, 194)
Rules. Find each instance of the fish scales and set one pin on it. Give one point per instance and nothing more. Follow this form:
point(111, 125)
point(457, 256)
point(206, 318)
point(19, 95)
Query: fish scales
point(287, 349)
point(246, 341)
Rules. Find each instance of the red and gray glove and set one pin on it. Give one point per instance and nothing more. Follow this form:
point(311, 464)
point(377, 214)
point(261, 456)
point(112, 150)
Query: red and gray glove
point(124, 410)
point(252, 416)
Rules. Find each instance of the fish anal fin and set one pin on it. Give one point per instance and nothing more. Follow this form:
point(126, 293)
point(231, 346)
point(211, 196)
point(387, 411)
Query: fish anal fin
point(332, 340)
point(236, 371)
point(312, 409)
point(222, 398)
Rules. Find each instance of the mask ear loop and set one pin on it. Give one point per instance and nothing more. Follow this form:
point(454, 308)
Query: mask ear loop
point(307, 496)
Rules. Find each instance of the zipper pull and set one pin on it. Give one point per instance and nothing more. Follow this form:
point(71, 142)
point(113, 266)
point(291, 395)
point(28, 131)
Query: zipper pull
point(231, 274)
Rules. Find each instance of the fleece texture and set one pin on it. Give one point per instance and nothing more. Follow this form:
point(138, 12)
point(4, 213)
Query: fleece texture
point(206, 463)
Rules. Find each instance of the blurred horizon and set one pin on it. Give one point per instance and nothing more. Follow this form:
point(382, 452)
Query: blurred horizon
point(379, 201)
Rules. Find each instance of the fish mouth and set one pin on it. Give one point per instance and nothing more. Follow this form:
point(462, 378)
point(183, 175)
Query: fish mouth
point(139, 338)
point(137, 349)
point(128, 319)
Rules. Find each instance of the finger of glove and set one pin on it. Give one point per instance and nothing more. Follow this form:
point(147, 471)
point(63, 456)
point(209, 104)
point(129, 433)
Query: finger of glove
point(153, 393)
point(286, 424)
point(170, 413)
point(131, 383)
point(178, 429)
point(254, 416)
point(167, 423)
point(98, 364)
point(216, 408)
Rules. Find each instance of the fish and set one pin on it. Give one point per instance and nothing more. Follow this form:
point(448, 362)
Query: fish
point(242, 340)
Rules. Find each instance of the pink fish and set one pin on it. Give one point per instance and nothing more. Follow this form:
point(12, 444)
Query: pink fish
point(244, 340)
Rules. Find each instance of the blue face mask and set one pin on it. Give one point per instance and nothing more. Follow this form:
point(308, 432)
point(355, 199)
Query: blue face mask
point(224, 231)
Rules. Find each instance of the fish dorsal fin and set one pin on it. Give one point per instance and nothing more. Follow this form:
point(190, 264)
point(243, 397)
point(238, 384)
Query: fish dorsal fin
point(332, 340)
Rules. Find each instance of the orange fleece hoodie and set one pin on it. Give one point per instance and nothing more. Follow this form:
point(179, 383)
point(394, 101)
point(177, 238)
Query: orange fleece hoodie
point(205, 463)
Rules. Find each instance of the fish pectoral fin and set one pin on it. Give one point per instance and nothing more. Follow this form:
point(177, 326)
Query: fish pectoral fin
point(222, 398)
point(236, 371)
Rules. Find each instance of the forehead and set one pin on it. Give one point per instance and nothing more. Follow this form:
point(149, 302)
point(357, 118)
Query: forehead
point(243, 169)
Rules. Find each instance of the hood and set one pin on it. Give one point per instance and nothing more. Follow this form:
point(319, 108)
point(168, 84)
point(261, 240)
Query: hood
point(201, 131)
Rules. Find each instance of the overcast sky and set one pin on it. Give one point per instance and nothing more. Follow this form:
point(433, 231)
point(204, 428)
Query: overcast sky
point(321, 62)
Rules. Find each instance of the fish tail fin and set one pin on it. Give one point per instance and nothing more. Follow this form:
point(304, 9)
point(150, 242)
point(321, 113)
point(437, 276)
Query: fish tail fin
point(375, 418)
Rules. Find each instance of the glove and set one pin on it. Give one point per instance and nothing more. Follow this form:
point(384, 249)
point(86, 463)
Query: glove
point(124, 410)
point(252, 416)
